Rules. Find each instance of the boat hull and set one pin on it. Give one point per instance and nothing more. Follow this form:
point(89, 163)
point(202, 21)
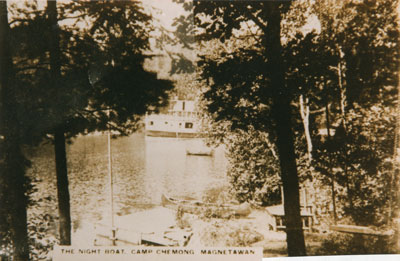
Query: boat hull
point(168, 134)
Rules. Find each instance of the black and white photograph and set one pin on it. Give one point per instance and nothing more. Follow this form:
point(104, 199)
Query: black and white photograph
point(198, 129)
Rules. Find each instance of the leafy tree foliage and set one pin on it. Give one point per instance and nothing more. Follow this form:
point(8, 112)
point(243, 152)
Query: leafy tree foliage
point(344, 73)
point(312, 64)
point(101, 63)
point(68, 77)
point(360, 85)
point(249, 82)
point(369, 146)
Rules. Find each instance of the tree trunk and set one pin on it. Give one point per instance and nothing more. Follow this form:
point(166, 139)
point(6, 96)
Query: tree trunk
point(285, 144)
point(15, 169)
point(328, 129)
point(294, 231)
point(343, 104)
point(59, 138)
point(12, 160)
point(305, 115)
point(62, 187)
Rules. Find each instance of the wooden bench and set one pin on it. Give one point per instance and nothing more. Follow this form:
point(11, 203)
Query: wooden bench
point(277, 217)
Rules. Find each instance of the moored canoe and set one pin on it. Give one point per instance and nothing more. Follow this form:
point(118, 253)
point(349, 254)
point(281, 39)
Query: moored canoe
point(198, 207)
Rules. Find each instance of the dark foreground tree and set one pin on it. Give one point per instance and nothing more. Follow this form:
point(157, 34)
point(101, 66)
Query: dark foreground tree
point(281, 113)
point(12, 161)
point(59, 129)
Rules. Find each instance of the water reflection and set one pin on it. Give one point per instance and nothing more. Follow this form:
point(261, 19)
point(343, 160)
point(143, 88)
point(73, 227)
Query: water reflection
point(169, 170)
point(143, 169)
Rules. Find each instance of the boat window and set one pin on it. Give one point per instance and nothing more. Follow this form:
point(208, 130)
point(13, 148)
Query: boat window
point(188, 125)
point(166, 122)
point(151, 123)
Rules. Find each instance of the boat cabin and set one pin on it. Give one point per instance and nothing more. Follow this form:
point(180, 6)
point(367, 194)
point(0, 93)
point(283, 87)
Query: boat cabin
point(181, 121)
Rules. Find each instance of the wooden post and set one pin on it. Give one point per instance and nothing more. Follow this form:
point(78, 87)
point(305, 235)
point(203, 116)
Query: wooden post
point(110, 175)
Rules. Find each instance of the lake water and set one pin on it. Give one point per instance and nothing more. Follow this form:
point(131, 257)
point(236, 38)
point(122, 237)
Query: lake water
point(143, 168)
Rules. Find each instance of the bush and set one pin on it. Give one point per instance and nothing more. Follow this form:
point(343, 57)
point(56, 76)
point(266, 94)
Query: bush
point(361, 161)
point(254, 168)
point(221, 233)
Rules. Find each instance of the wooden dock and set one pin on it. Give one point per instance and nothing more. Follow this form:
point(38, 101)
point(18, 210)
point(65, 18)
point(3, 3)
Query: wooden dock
point(143, 228)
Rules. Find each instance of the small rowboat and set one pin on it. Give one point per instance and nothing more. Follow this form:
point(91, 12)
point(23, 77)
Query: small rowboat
point(200, 151)
point(199, 148)
point(213, 210)
point(203, 152)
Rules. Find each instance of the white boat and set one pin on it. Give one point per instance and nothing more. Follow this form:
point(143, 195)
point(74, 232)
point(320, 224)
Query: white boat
point(180, 121)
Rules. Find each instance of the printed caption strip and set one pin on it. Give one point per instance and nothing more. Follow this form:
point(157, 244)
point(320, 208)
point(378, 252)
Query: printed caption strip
point(66, 253)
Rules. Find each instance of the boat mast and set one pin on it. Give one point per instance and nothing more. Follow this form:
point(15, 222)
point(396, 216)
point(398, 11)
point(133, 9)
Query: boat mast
point(110, 175)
